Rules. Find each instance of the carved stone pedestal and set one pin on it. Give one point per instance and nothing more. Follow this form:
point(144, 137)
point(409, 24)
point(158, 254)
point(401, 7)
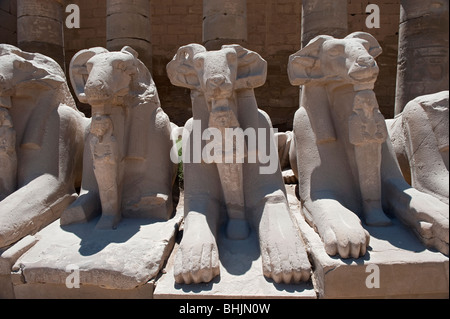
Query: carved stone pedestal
point(120, 263)
point(241, 276)
point(396, 265)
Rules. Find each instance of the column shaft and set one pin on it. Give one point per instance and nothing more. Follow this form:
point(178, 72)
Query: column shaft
point(224, 22)
point(128, 23)
point(40, 28)
point(422, 66)
point(323, 17)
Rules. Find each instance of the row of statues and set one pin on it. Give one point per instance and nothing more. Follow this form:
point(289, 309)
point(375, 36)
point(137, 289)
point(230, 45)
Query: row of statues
point(343, 153)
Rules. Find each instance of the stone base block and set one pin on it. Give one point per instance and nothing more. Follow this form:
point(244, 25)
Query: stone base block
point(396, 265)
point(240, 276)
point(6, 288)
point(116, 263)
point(57, 291)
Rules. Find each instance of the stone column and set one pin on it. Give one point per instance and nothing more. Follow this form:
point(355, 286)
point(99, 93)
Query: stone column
point(422, 66)
point(224, 22)
point(323, 17)
point(40, 28)
point(128, 23)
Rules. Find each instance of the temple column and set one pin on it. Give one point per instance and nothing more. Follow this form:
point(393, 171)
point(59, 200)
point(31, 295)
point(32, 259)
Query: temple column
point(422, 66)
point(40, 28)
point(224, 22)
point(323, 17)
point(128, 23)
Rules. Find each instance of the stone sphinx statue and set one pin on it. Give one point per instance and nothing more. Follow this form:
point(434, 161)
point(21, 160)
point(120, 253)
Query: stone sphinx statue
point(127, 171)
point(419, 136)
point(346, 165)
point(224, 174)
point(41, 143)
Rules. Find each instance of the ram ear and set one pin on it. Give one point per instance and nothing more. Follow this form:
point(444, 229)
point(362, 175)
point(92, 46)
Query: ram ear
point(251, 68)
point(181, 71)
point(79, 72)
point(374, 48)
point(304, 65)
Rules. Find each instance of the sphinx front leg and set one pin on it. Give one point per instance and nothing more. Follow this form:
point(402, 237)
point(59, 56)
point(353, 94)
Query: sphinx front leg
point(197, 258)
point(339, 228)
point(324, 179)
point(283, 252)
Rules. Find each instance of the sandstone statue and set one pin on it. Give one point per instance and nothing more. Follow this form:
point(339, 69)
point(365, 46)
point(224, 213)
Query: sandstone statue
point(287, 156)
point(419, 136)
point(41, 143)
point(345, 161)
point(232, 180)
point(127, 171)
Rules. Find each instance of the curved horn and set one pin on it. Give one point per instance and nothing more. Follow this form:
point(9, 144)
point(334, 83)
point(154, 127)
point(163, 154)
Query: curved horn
point(78, 71)
point(304, 65)
point(252, 68)
point(374, 47)
point(181, 70)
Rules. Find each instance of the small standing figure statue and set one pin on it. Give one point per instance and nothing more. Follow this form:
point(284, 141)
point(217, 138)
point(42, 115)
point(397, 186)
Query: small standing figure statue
point(8, 156)
point(106, 159)
point(229, 166)
point(367, 132)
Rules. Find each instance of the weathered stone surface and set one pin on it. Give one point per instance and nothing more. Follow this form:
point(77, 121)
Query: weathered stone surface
point(404, 266)
point(40, 28)
point(127, 170)
point(323, 17)
point(221, 84)
point(224, 22)
point(419, 137)
point(128, 22)
point(52, 291)
point(49, 134)
point(8, 256)
point(128, 25)
point(241, 276)
point(121, 259)
point(423, 52)
point(337, 183)
point(46, 8)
